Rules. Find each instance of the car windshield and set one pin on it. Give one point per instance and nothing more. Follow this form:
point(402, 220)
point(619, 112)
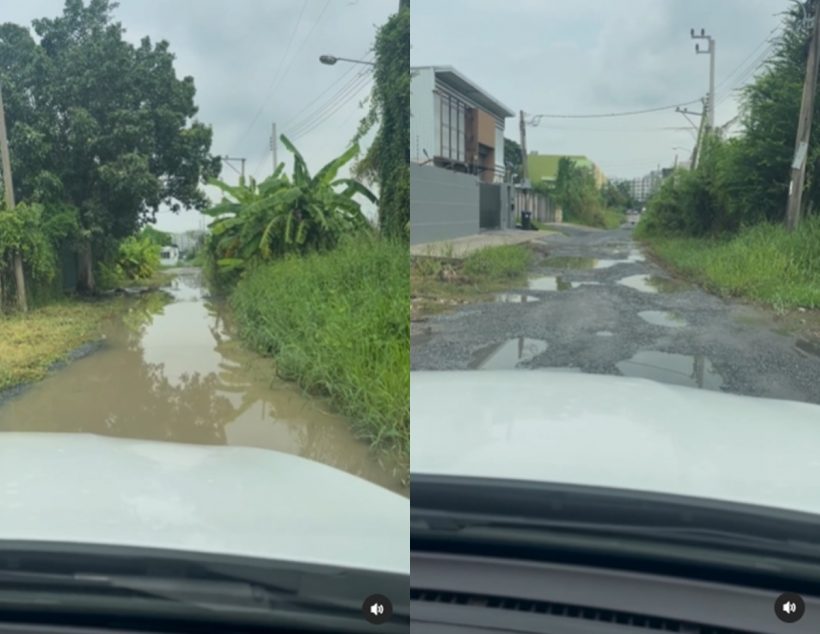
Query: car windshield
point(203, 283)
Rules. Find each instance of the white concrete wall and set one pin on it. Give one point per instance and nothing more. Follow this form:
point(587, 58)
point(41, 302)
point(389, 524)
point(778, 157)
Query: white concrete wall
point(423, 126)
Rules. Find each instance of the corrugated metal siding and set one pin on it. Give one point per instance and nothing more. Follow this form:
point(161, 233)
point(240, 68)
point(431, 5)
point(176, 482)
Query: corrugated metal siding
point(443, 204)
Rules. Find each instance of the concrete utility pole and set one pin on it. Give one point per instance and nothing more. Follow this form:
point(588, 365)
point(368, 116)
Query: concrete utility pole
point(8, 190)
point(699, 141)
point(711, 52)
point(522, 127)
point(801, 145)
point(273, 144)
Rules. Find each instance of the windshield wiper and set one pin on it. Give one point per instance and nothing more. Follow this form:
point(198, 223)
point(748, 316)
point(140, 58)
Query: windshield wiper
point(212, 594)
point(528, 531)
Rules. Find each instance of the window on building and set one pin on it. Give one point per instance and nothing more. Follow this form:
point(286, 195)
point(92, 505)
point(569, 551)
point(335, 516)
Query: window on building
point(451, 111)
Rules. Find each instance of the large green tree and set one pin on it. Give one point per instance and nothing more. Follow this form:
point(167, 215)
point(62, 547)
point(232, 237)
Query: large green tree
point(100, 124)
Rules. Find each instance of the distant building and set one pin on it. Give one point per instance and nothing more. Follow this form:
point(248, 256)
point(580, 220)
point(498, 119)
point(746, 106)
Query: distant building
point(543, 168)
point(643, 187)
point(169, 256)
point(456, 125)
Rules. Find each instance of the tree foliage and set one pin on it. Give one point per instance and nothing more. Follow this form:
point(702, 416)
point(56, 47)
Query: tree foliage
point(744, 180)
point(576, 192)
point(284, 214)
point(513, 160)
point(99, 124)
point(387, 161)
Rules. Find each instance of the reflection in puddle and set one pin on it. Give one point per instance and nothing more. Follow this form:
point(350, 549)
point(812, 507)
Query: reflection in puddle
point(667, 367)
point(569, 262)
point(555, 283)
point(549, 283)
point(170, 371)
point(662, 318)
point(507, 354)
point(652, 284)
point(515, 298)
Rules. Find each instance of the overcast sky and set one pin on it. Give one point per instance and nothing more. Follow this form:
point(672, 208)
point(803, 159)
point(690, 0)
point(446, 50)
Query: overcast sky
point(599, 56)
point(255, 62)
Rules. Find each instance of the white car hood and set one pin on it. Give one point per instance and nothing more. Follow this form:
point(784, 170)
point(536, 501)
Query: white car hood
point(616, 432)
point(226, 500)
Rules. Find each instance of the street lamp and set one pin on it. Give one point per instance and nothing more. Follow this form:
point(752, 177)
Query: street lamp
point(330, 60)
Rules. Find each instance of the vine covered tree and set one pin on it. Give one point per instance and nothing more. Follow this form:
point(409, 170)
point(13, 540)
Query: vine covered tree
point(387, 161)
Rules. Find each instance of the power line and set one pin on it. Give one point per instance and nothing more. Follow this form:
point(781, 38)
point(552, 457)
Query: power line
point(303, 115)
point(748, 72)
point(343, 93)
point(276, 75)
point(363, 82)
point(538, 117)
point(748, 57)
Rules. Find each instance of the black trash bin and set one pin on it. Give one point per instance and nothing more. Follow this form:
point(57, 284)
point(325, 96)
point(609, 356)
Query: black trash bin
point(526, 220)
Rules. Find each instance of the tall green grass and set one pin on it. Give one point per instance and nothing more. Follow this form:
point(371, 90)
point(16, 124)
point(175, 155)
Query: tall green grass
point(338, 323)
point(764, 262)
point(498, 263)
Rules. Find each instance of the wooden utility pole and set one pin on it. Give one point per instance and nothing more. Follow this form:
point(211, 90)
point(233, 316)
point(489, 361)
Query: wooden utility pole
point(801, 145)
point(8, 189)
point(522, 127)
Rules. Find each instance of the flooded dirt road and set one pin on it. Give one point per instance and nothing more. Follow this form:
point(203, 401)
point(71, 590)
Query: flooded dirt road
point(594, 303)
point(170, 370)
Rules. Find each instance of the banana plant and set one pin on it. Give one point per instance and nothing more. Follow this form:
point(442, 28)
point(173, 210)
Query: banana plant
point(282, 214)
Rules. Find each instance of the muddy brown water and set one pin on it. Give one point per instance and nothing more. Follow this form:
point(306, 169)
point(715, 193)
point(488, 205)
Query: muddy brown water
point(170, 370)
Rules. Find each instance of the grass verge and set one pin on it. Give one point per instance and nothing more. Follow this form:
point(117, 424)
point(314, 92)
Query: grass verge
point(30, 344)
point(338, 324)
point(439, 284)
point(764, 263)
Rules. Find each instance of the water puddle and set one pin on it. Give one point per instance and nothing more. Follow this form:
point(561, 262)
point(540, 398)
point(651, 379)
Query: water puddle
point(678, 369)
point(569, 262)
point(508, 354)
point(170, 370)
point(652, 284)
point(515, 298)
point(662, 318)
point(549, 283)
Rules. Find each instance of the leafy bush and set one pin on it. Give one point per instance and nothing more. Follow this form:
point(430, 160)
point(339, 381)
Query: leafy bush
point(138, 258)
point(338, 323)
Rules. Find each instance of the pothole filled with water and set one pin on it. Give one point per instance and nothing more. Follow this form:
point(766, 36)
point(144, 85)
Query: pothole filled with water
point(508, 354)
point(662, 318)
point(677, 369)
point(549, 283)
point(652, 284)
point(515, 298)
